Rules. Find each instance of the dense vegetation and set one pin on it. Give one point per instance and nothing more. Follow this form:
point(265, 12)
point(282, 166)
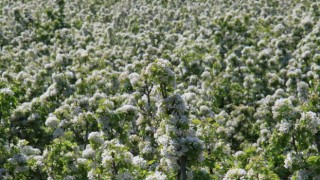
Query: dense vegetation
point(165, 89)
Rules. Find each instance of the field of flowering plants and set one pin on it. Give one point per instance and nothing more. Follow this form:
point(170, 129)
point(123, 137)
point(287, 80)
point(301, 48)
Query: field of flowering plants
point(159, 89)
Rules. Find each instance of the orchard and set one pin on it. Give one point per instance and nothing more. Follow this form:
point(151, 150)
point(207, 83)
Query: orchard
point(159, 89)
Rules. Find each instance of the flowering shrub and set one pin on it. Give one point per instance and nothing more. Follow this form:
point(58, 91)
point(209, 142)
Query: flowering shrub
point(140, 89)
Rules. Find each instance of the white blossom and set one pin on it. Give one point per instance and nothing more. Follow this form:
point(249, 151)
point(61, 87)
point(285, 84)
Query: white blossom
point(6, 92)
point(95, 137)
point(92, 175)
point(284, 127)
point(288, 161)
point(292, 159)
point(125, 176)
point(69, 178)
point(88, 153)
point(18, 158)
point(312, 120)
point(157, 176)
point(138, 161)
point(52, 121)
point(28, 150)
point(81, 160)
point(126, 109)
point(134, 79)
point(281, 105)
point(235, 174)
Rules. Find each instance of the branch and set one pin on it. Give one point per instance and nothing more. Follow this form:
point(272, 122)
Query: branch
point(294, 143)
point(114, 166)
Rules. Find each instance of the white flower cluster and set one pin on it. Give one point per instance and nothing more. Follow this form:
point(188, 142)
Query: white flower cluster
point(6, 92)
point(284, 127)
point(92, 175)
point(139, 161)
point(282, 107)
point(189, 97)
point(95, 137)
point(18, 158)
point(156, 176)
point(312, 121)
point(126, 109)
point(134, 79)
point(52, 121)
point(114, 151)
point(163, 67)
point(28, 150)
point(235, 174)
point(304, 174)
point(89, 153)
point(238, 154)
point(146, 148)
point(292, 159)
point(303, 90)
point(125, 176)
point(176, 104)
point(106, 159)
point(70, 178)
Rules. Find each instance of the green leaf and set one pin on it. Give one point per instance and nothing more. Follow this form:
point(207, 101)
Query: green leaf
point(151, 162)
point(209, 119)
point(197, 121)
point(314, 160)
